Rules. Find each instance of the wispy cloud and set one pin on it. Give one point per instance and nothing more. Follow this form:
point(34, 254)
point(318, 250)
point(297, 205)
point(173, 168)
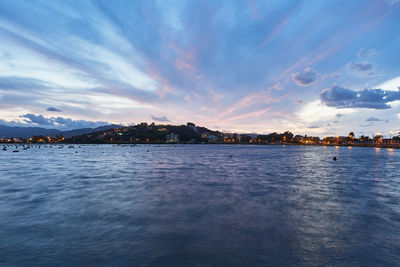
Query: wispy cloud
point(364, 53)
point(123, 60)
point(10, 83)
point(373, 119)
point(278, 86)
point(392, 2)
point(53, 109)
point(306, 77)
point(360, 66)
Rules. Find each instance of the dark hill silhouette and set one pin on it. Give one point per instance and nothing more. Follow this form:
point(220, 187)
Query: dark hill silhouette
point(26, 132)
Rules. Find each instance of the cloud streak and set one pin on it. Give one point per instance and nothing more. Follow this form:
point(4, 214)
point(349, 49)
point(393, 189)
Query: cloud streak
point(11, 83)
point(53, 109)
point(373, 119)
point(123, 60)
point(160, 119)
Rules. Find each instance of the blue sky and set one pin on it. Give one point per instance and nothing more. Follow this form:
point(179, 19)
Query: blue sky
point(312, 67)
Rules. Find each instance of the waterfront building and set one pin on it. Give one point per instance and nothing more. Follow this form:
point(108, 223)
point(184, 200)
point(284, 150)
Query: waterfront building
point(212, 139)
point(172, 138)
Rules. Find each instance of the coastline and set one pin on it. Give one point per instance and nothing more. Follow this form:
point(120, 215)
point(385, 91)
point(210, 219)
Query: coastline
point(389, 146)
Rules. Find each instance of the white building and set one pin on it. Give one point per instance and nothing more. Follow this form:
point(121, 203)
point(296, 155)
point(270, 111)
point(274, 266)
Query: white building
point(172, 138)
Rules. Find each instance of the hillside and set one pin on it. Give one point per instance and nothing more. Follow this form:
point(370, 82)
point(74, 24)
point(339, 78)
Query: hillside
point(26, 132)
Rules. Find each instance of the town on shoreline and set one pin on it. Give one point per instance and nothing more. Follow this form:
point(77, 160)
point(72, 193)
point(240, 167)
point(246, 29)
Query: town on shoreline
point(144, 133)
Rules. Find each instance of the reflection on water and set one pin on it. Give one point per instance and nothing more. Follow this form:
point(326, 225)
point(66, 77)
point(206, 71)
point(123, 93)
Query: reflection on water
point(200, 205)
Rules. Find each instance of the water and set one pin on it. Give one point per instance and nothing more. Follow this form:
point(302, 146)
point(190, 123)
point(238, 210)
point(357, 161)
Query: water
point(199, 205)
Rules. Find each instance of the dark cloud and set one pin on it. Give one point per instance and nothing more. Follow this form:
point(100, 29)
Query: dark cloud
point(77, 124)
point(60, 122)
point(313, 127)
point(373, 119)
point(306, 77)
point(162, 119)
point(360, 66)
point(53, 109)
point(341, 97)
point(37, 119)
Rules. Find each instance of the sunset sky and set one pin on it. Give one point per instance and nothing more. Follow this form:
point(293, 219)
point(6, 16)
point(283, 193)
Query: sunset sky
point(311, 67)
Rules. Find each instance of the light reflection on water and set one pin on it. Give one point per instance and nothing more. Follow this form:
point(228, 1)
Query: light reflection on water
point(200, 205)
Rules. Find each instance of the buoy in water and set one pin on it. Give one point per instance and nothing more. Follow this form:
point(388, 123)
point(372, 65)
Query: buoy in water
point(334, 158)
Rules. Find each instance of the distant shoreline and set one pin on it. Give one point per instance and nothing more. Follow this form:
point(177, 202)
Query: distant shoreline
point(182, 144)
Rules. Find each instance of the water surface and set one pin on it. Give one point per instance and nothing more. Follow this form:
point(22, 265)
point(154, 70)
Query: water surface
point(199, 205)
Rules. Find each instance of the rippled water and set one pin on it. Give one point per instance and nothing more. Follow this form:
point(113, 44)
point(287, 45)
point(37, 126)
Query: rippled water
point(198, 205)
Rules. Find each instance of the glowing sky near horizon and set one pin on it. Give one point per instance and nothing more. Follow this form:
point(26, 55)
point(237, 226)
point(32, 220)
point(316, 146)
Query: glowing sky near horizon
point(311, 67)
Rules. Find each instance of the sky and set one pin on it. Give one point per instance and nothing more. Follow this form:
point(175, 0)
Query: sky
point(312, 67)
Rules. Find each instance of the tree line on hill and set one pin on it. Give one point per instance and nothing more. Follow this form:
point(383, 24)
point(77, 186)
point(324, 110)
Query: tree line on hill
point(189, 133)
point(144, 133)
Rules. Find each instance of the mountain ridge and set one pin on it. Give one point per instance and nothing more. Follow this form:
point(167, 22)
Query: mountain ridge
point(26, 132)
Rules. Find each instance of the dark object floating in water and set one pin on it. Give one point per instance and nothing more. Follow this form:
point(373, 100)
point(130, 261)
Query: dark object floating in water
point(230, 156)
point(76, 151)
point(15, 151)
point(334, 158)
